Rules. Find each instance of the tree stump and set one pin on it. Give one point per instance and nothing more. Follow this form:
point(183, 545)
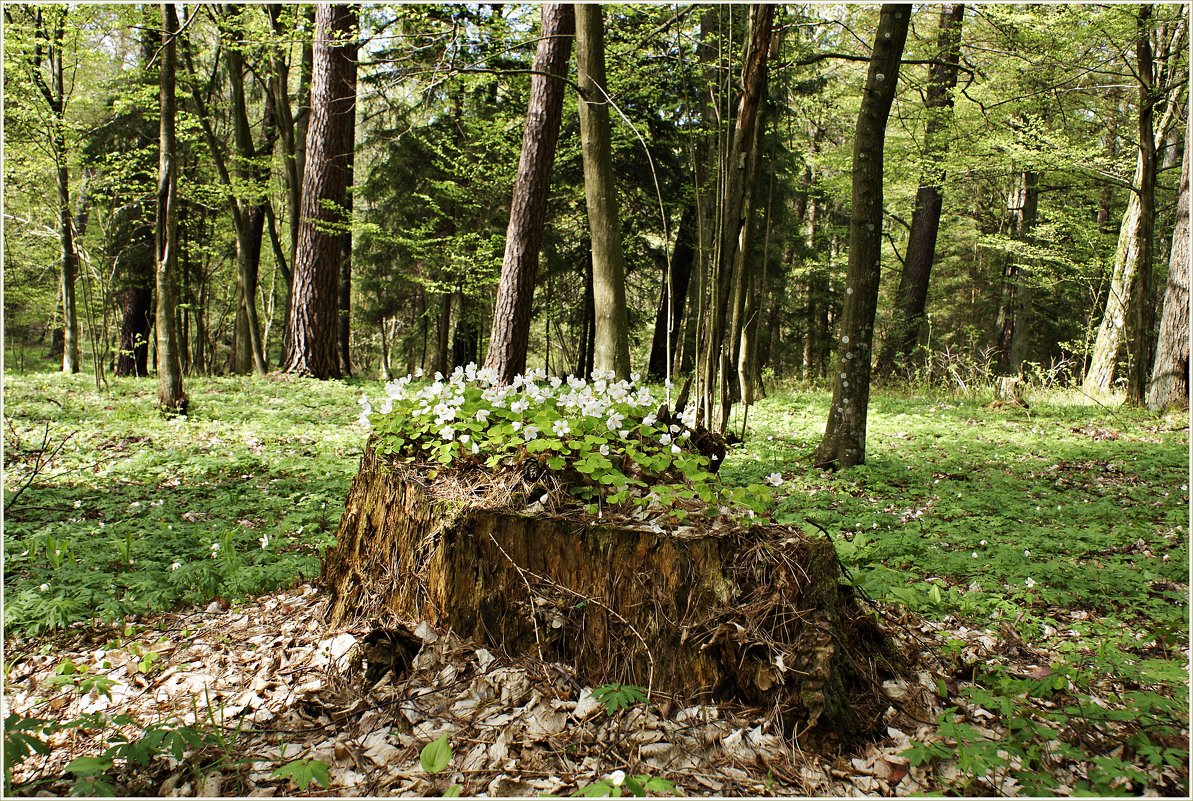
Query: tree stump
point(757, 615)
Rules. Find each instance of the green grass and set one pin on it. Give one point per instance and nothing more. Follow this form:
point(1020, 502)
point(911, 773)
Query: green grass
point(133, 503)
point(1065, 525)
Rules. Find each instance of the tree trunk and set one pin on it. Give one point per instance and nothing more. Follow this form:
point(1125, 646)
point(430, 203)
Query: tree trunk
point(1023, 203)
point(171, 396)
point(1132, 258)
point(756, 615)
point(247, 352)
point(584, 358)
point(314, 301)
point(444, 332)
point(844, 441)
point(1142, 317)
point(670, 313)
point(612, 353)
point(912, 295)
point(137, 262)
point(344, 330)
point(1170, 373)
point(53, 42)
point(466, 335)
point(510, 335)
point(717, 350)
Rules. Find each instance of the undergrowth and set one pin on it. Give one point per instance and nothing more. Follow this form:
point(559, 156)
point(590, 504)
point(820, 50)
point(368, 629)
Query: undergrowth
point(1063, 528)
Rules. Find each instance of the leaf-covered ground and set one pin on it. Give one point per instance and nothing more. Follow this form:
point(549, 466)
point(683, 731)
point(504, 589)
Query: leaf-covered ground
point(156, 590)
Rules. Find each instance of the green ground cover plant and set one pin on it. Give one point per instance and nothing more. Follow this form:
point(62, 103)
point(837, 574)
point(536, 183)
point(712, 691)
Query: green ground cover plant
point(1063, 528)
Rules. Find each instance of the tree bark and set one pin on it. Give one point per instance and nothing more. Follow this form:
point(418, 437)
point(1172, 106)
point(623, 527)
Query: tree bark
point(51, 42)
point(1023, 203)
point(344, 328)
point(912, 296)
point(657, 610)
point(1170, 373)
point(1142, 318)
point(844, 442)
point(510, 334)
point(171, 396)
point(717, 350)
point(1132, 275)
point(612, 352)
point(314, 301)
point(136, 264)
point(670, 313)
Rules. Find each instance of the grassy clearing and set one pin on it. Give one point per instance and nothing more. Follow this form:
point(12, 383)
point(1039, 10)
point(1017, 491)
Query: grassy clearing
point(1062, 531)
point(136, 514)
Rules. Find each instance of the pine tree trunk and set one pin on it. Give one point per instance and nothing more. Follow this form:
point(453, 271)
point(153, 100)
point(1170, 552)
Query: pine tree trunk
point(912, 296)
point(755, 615)
point(171, 396)
point(344, 328)
point(510, 334)
point(1170, 373)
point(844, 442)
point(314, 299)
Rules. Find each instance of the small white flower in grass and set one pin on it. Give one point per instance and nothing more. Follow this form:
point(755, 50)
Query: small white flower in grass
point(775, 479)
point(617, 777)
point(561, 428)
point(981, 542)
point(530, 432)
point(482, 415)
point(1027, 553)
point(519, 406)
point(673, 428)
point(665, 439)
point(544, 498)
point(974, 554)
point(676, 450)
point(650, 419)
point(476, 448)
point(1029, 582)
point(517, 424)
point(614, 422)
point(556, 382)
point(623, 433)
point(78, 504)
point(44, 587)
point(264, 540)
point(605, 449)
point(464, 438)
point(447, 433)
point(175, 566)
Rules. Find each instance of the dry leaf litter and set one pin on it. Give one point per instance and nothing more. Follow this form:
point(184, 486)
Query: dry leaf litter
point(281, 687)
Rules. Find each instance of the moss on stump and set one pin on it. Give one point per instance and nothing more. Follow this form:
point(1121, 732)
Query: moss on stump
point(756, 615)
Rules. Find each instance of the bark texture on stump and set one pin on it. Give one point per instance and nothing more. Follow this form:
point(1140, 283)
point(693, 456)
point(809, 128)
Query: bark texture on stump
point(753, 615)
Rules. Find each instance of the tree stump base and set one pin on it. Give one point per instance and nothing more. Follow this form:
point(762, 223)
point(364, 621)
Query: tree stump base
point(757, 615)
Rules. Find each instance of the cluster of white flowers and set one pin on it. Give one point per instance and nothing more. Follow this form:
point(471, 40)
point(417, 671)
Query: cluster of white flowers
point(602, 397)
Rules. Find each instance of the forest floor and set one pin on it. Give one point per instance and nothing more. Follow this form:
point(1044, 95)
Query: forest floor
point(164, 632)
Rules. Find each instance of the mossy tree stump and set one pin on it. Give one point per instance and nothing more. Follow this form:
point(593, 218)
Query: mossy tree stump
point(756, 614)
